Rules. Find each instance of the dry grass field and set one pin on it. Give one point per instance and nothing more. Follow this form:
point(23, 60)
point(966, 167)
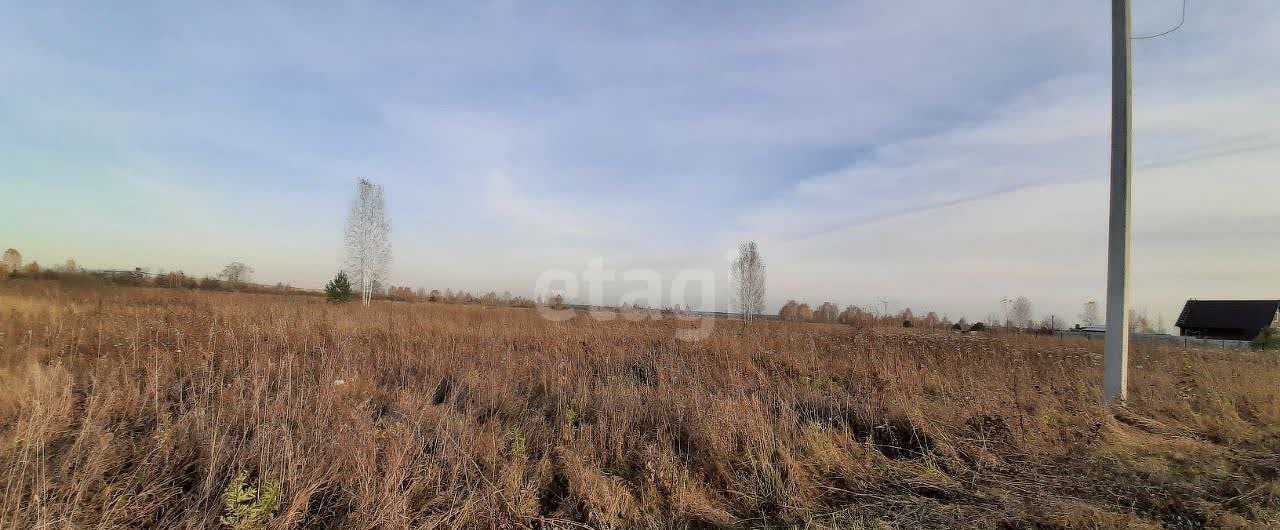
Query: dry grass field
point(154, 408)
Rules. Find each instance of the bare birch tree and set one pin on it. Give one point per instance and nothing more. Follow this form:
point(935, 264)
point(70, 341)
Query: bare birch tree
point(1020, 313)
point(1089, 313)
point(827, 312)
point(367, 239)
point(749, 279)
point(236, 274)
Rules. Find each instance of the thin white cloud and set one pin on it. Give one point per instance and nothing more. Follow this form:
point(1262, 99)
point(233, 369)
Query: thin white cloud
point(646, 134)
point(545, 218)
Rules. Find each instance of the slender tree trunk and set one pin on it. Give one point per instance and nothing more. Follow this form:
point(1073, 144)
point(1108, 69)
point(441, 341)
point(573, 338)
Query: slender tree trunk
point(368, 288)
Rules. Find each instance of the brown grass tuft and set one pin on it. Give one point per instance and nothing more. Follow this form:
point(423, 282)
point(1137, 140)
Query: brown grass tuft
point(137, 408)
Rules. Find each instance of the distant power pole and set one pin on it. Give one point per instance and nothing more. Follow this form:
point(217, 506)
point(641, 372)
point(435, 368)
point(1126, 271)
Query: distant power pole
point(1116, 377)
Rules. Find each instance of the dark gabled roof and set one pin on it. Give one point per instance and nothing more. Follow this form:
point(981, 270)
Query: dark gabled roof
point(1228, 314)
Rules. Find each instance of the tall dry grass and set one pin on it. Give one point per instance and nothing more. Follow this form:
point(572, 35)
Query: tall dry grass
point(137, 408)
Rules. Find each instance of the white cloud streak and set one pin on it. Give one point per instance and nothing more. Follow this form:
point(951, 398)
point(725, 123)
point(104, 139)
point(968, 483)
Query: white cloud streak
point(944, 153)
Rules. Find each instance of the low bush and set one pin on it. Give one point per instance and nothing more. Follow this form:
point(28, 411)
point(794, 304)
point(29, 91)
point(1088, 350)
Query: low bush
point(1269, 339)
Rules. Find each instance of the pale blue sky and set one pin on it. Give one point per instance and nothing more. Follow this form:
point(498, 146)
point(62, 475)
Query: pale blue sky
point(941, 154)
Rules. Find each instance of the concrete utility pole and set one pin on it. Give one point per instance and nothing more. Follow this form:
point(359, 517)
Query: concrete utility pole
point(1116, 378)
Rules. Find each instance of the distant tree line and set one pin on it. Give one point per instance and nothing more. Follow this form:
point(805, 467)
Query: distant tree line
point(853, 315)
point(236, 276)
point(449, 296)
point(340, 289)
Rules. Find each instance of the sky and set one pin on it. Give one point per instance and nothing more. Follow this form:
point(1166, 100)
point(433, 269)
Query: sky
point(936, 155)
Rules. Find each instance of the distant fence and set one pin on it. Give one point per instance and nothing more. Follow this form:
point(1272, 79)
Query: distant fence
point(1175, 340)
point(705, 314)
point(133, 275)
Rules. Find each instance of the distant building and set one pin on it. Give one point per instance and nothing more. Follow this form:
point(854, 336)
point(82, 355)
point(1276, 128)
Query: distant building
point(136, 275)
point(1097, 330)
point(1228, 319)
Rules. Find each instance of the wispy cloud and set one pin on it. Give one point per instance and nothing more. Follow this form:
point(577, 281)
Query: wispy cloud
point(539, 216)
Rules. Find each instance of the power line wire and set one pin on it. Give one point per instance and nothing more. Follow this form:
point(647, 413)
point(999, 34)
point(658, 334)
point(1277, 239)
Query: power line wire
point(1181, 19)
point(1202, 152)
